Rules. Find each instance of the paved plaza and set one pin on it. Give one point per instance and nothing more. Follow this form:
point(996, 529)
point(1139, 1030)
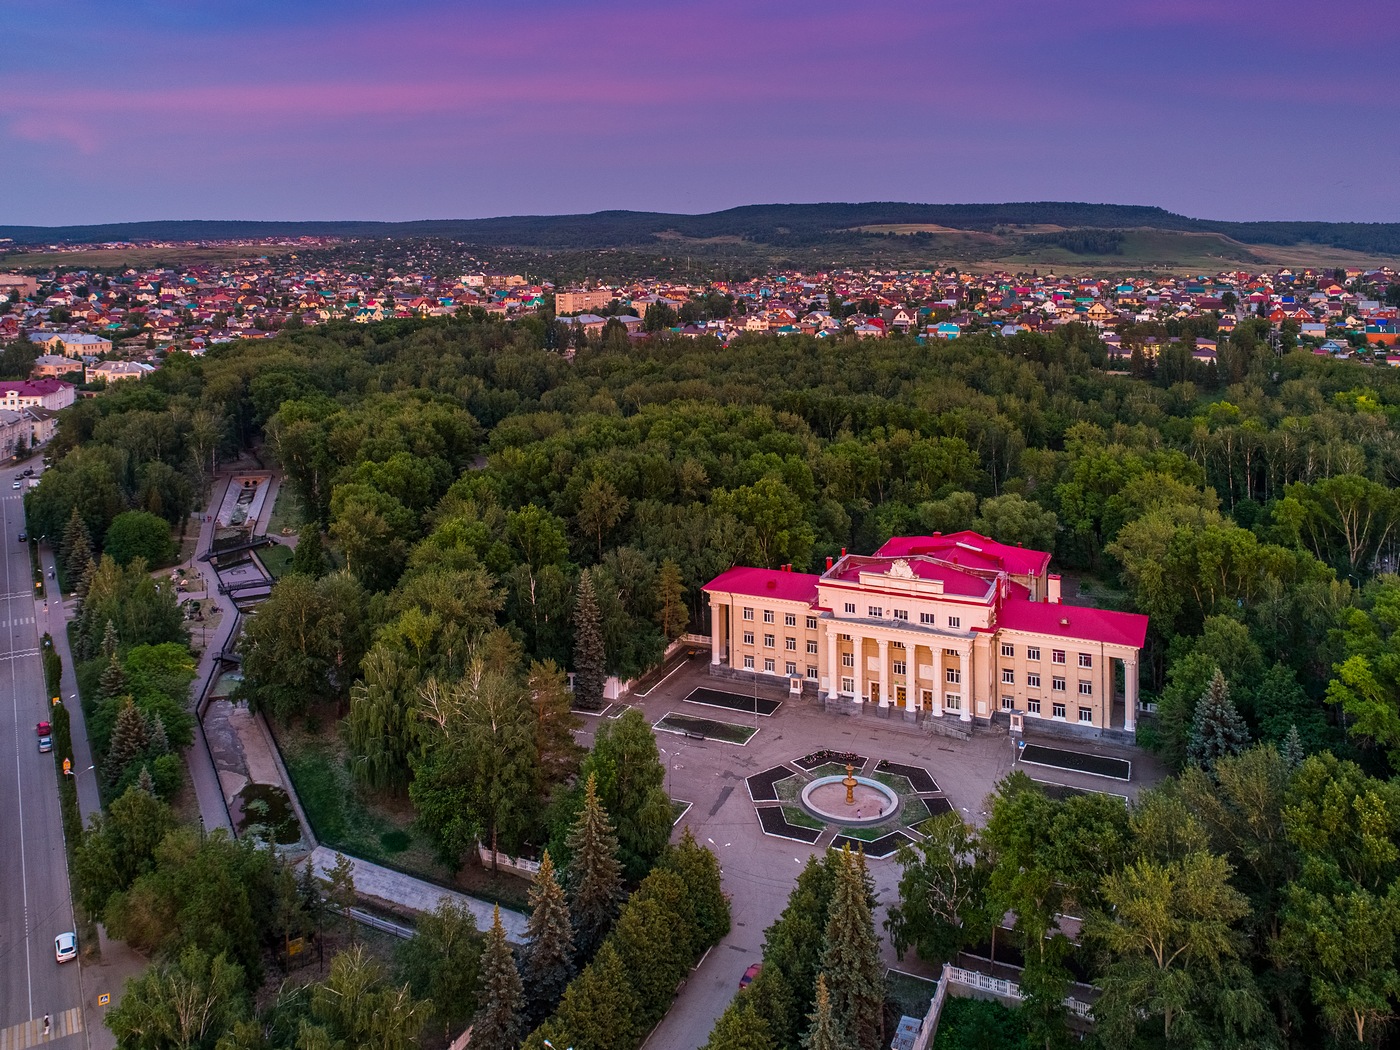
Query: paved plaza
point(758, 869)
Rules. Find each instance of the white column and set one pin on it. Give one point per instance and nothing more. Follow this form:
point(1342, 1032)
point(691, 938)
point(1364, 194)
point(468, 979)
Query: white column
point(883, 645)
point(858, 658)
point(939, 685)
point(965, 686)
point(911, 677)
point(717, 633)
point(1130, 694)
point(833, 660)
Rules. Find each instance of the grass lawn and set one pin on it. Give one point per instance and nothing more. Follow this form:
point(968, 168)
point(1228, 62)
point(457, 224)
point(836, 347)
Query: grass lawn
point(799, 817)
point(789, 789)
point(831, 769)
point(706, 727)
point(345, 817)
point(287, 512)
point(900, 785)
point(277, 559)
point(913, 994)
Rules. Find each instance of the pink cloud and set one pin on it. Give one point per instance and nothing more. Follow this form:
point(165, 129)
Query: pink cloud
point(76, 134)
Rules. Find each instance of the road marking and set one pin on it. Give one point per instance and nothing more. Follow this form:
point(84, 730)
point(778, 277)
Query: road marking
point(21, 654)
point(31, 1033)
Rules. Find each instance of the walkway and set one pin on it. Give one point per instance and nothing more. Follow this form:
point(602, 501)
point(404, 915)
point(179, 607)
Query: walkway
point(404, 891)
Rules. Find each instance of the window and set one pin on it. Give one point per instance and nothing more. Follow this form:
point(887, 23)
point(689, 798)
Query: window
point(1033, 681)
point(848, 659)
point(1032, 707)
point(791, 669)
point(1057, 685)
point(1008, 676)
point(767, 641)
point(1086, 659)
point(954, 676)
point(950, 652)
point(1008, 651)
point(1057, 710)
point(1057, 656)
point(811, 672)
point(768, 666)
point(1086, 714)
point(848, 685)
point(748, 613)
point(901, 614)
point(899, 667)
point(926, 618)
point(955, 622)
point(748, 663)
point(811, 648)
point(1032, 652)
point(851, 608)
point(748, 638)
point(789, 619)
point(790, 644)
point(1008, 703)
point(874, 611)
point(767, 615)
point(1086, 688)
point(952, 702)
point(844, 637)
point(811, 623)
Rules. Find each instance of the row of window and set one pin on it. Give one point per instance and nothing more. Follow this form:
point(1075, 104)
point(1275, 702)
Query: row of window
point(1057, 709)
point(790, 644)
point(1057, 683)
point(790, 669)
point(928, 619)
point(1057, 656)
point(789, 619)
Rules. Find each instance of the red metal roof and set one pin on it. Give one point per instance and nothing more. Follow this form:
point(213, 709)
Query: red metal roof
point(766, 583)
point(1074, 621)
point(971, 549)
point(963, 584)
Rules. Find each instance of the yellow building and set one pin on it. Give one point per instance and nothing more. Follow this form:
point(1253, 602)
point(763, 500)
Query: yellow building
point(933, 627)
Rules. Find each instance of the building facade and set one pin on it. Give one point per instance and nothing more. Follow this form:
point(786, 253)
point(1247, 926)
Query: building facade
point(52, 394)
point(933, 627)
point(579, 300)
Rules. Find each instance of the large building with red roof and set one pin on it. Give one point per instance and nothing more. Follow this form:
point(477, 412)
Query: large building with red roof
point(951, 626)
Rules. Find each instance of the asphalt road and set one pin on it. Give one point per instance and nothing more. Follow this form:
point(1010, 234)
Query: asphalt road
point(35, 902)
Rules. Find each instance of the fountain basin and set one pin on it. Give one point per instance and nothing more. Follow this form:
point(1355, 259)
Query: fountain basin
point(825, 798)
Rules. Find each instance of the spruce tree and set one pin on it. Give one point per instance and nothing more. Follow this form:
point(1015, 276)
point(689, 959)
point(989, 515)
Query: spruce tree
point(112, 684)
point(155, 732)
point(671, 613)
point(74, 548)
point(549, 955)
point(1292, 749)
point(145, 783)
point(110, 641)
point(851, 959)
point(595, 874)
point(129, 742)
point(309, 557)
point(589, 661)
point(825, 1033)
point(1217, 728)
point(499, 1024)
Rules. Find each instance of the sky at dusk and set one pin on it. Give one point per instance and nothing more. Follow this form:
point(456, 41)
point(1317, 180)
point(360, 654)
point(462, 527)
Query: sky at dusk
point(302, 109)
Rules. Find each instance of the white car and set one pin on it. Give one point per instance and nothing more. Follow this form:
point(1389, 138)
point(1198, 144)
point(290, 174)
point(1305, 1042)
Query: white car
point(17, 485)
point(65, 947)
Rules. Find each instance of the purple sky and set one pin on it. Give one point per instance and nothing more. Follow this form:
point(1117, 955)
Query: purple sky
point(304, 109)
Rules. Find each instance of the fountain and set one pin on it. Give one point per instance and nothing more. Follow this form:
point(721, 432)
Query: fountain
point(866, 802)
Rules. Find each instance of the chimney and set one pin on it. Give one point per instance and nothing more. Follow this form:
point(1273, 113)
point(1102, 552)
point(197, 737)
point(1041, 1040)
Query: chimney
point(828, 561)
point(1052, 588)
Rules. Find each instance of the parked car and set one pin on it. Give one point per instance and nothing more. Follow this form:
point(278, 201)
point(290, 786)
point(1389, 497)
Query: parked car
point(17, 485)
point(45, 744)
point(23, 536)
point(749, 974)
point(65, 947)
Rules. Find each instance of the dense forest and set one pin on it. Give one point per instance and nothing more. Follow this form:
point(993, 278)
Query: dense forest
point(778, 225)
point(484, 512)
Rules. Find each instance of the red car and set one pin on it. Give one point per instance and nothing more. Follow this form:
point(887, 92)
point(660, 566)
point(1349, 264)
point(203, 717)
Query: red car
point(44, 729)
point(749, 975)
point(45, 737)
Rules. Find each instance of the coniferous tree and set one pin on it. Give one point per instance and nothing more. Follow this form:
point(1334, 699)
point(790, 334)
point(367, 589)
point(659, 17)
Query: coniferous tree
point(825, 1033)
point(1217, 728)
point(852, 958)
point(499, 1024)
point(130, 739)
point(75, 548)
point(309, 556)
point(110, 641)
point(1292, 749)
point(112, 684)
point(699, 870)
point(590, 668)
point(741, 1028)
point(145, 783)
point(155, 731)
point(595, 874)
point(549, 956)
point(671, 613)
point(85, 581)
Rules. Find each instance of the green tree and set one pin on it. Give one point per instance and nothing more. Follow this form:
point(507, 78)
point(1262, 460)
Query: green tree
point(1217, 729)
point(698, 869)
point(139, 534)
point(825, 1033)
point(852, 958)
point(548, 959)
point(595, 874)
point(309, 555)
point(600, 508)
point(630, 780)
point(186, 1004)
point(355, 1007)
point(441, 963)
point(119, 846)
point(740, 1028)
point(500, 1023)
point(589, 658)
point(1016, 520)
point(940, 889)
point(600, 1010)
point(338, 889)
point(130, 740)
point(74, 549)
point(112, 684)
point(670, 600)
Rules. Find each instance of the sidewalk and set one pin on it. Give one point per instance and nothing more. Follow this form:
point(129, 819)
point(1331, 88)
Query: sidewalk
point(404, 891)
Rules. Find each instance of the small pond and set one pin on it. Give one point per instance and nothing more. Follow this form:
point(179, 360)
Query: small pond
point(266, 805)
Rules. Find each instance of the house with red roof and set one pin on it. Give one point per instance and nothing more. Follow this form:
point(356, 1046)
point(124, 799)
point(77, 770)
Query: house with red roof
point(955, 626)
